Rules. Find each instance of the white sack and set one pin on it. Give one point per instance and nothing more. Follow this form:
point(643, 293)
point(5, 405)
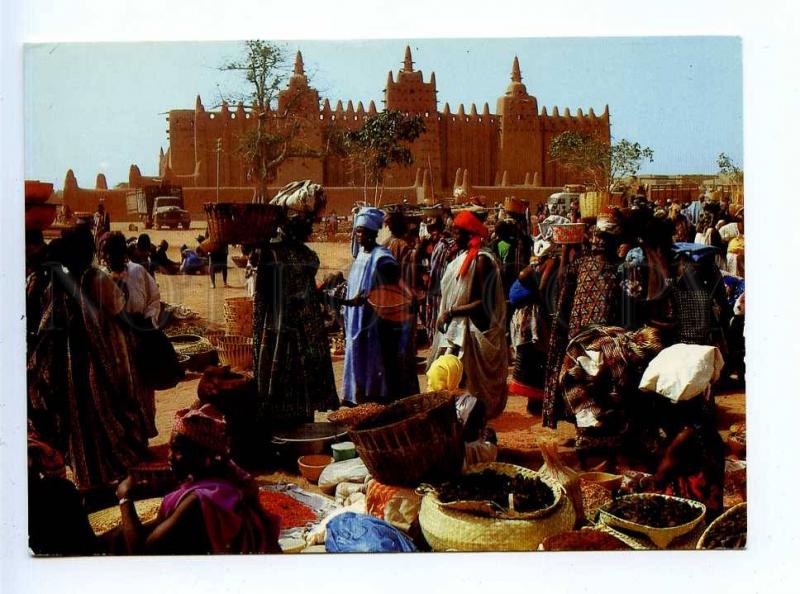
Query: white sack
point(683, 371)
point(346, 471)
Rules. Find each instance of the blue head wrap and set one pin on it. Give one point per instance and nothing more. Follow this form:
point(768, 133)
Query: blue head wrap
point(369, 218)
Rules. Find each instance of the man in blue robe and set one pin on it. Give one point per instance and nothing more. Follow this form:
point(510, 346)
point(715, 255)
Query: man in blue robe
point(371, 373)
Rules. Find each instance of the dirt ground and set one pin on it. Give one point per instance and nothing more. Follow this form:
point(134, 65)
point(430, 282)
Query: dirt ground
point(518, 431)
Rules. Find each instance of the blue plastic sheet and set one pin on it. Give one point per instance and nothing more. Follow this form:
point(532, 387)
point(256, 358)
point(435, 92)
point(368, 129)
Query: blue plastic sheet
point(360, 533)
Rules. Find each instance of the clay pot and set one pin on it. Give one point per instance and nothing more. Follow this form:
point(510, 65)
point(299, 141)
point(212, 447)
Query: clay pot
point(36, 191)
point(39, 216)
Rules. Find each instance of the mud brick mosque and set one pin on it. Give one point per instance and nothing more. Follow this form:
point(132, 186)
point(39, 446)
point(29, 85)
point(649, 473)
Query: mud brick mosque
point(463, 152)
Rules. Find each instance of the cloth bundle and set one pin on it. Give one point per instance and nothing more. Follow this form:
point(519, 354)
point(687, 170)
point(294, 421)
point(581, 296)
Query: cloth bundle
point(683, 371)
point(301, 198)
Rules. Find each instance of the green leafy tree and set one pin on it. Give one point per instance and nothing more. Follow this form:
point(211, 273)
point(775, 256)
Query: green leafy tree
point(729, 169)
point(274, 137)
point(606, 164)
point(382, 141)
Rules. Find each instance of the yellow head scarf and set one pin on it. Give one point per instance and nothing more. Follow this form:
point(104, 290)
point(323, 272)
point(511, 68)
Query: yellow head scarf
point(445, 373)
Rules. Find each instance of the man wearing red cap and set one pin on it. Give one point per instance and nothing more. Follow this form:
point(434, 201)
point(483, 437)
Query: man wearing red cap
point(472, 313)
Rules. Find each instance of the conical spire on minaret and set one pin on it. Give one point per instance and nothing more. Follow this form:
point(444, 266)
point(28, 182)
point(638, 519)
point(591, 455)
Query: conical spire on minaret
point(198, 104)
point(100, 182)
point(473, 111)
point(486, 110)
point(446, 109)
point(516, 76)
point(360, 108)
point(298, 64)
point(408, 64)
point(390, 79)
point(70, 181)
point(516, 88)
point(371, 109)
point(326, 105)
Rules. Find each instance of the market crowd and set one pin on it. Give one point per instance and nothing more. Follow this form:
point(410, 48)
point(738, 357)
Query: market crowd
point(577, 306)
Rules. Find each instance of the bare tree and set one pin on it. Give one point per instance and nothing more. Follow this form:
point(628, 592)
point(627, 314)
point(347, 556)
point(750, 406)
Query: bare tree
point(274, 138)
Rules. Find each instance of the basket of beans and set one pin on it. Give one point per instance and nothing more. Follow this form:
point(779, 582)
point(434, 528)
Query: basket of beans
point(494, 507)
point(729, 531)
point(662, 518)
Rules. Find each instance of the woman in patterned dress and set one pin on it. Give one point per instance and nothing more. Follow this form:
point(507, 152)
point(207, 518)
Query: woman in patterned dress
point(589, 293)
point(292, 359)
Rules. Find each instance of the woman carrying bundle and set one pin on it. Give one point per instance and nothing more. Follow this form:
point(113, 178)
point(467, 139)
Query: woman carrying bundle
point(292, 360)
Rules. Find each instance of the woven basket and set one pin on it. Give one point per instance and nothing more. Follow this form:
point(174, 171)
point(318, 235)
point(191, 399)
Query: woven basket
point(736, 509)
point(240, 261)
point(213, 337)
point(591, 203)
point(661, 537)
point(424, 445)
point(239, 315)
point(451, 530)
point(109, 518)
point(241, 222)
point(236, 351)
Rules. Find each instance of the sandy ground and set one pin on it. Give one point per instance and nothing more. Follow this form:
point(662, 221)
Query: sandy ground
point(520, 431)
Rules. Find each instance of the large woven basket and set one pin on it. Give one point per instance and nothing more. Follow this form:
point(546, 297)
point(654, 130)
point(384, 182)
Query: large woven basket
point(241, 222)
point(740, 508)
point(238, 316)
point(452, 530)
point(591, 203)
point(661, 537)
point(413, 440)
point(236, 351)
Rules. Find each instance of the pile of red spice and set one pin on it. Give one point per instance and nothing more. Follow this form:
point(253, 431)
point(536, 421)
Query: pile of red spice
point(291, 512)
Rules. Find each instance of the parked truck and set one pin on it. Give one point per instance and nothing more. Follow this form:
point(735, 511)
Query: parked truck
point(159, 206)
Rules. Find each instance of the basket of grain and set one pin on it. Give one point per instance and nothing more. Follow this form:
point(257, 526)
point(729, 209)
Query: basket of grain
point(107, 519)
point(448, 527)
point(241, 222)
point(236, 351)
point(238, 315)
point(412, 440)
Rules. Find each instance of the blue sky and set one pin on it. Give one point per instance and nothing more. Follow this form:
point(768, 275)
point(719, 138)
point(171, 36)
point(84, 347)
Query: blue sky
point(99, 107)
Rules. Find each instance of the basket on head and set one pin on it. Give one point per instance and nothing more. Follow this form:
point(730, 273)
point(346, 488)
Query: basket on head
point(515, 205)
point(591, 203)
point(236, 351)
point(239, 315)
point(568, 233)
point(241, 222)
point(414, 439)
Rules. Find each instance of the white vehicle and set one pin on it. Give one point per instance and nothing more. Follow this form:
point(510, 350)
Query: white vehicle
point(558, 203)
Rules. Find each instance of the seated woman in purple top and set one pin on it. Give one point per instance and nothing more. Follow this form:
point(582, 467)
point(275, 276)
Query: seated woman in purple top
point(216, 509)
